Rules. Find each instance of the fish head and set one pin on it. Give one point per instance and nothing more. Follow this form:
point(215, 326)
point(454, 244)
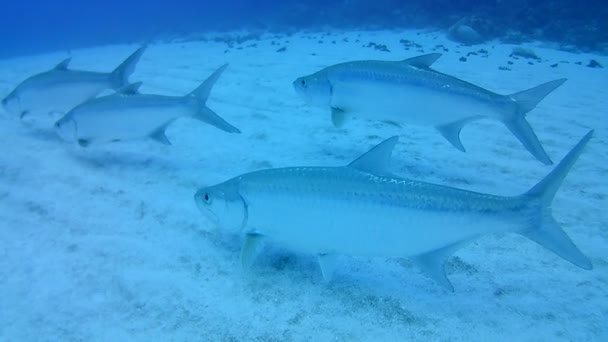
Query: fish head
point(66, 128)
point(314, 89)
point(223, 205)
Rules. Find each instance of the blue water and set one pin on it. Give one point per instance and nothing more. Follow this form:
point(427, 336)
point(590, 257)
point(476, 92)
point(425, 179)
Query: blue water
point(35, 26)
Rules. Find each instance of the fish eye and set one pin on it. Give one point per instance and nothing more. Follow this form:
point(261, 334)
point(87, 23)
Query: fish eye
point(303, 82)
point(207, 198)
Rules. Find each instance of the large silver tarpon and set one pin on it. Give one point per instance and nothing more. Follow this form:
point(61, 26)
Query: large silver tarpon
point(363, 210)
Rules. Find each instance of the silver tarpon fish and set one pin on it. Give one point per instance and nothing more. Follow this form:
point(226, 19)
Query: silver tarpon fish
point(61, 89)
point(363, 210)
point(411, 92)
point(129, 115)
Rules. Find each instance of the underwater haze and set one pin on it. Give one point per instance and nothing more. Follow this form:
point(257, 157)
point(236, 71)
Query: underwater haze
point(304, 170)
point(34, 26)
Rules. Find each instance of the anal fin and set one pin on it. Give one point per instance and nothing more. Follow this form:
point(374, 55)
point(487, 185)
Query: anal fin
point(432, 264)
point(251, 246)
point(452, 130)
point(327, 262)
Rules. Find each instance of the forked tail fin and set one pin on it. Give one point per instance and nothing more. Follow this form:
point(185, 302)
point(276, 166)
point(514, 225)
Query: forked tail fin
point(120, 75)
point(544, 230)
point(526, 101)
point(201, 94)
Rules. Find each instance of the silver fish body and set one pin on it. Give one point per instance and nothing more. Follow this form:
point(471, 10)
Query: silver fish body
point(61, 89)
point(343, 210)
point(411, 92)
point(129, 115)
point(363, 210)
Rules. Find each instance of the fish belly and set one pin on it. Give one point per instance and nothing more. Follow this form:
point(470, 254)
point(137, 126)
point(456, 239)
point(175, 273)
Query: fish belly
point(408, 104)
point(60, 97)
point(126, 123)
point(355, 227)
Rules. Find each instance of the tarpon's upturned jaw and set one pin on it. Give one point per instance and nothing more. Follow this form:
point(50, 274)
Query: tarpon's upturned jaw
point(66, 129)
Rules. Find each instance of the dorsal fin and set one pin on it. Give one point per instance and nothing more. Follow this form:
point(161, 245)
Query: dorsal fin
point(423, 61)
point(130, 89)
point(377, 159)
point(63, 65)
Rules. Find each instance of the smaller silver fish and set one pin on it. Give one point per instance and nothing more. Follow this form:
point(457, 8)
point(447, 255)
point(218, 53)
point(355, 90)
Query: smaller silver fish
point(129, 115)
point(411, 92)
point(61, 89)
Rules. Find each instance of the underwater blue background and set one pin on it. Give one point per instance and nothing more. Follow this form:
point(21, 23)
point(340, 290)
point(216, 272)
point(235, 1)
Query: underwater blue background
point(35, 26)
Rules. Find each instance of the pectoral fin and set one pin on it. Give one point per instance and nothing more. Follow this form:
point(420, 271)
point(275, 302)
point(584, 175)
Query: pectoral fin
point(423, 61)
point(338, 117)
point(327, 262)
point(432, 264)
point(251, 246)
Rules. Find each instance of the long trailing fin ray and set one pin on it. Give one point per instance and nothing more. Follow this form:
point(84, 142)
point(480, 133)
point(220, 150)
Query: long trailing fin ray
point(545, 230)
point(377, 159)
point(120, 75)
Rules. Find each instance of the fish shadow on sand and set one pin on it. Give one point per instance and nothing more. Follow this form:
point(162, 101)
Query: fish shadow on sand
point(43, 134)
point(99, 159)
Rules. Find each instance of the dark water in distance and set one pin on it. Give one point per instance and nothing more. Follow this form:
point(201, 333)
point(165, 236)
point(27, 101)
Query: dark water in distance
point(35, 26)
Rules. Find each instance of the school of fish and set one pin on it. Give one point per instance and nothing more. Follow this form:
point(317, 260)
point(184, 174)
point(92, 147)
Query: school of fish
point(361, 209)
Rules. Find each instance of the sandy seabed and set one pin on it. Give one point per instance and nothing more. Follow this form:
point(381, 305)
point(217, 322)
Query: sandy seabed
point(106, 243)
